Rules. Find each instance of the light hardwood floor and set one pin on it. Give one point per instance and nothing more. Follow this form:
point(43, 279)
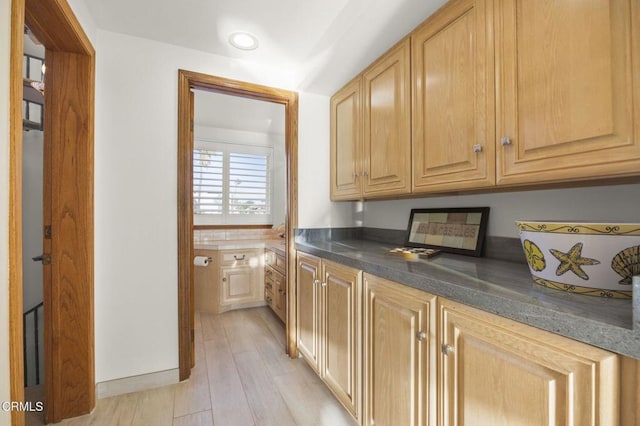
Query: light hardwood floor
point(242, 377)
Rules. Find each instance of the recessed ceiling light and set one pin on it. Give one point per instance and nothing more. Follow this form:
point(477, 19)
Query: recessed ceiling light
point(244, 41)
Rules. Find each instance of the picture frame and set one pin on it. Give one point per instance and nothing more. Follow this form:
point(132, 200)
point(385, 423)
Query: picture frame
point(459, 230)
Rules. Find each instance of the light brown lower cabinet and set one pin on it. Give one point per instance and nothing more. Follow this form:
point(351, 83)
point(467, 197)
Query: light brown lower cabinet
point(399, 350)
point(494, 371)
point(275, 283)
point(429, 361)
point(308, 309)
point(328, 299)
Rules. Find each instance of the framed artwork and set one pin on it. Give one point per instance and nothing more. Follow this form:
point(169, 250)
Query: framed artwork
point(453, 230)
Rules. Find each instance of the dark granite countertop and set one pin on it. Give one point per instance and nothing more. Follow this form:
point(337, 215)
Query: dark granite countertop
point(497, 286)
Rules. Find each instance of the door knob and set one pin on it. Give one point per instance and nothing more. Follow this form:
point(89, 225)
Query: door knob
point(447, 349)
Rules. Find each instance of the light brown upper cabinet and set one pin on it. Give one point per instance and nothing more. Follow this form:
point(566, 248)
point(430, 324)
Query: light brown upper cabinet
point(346, 142)
point(371, 130)
point(453, 104)
point(387, 124)
point(505, 93)
point(567, 77)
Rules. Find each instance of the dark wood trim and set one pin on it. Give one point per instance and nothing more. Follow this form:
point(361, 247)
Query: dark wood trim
point(68, 204)
point(223, 227)
point(187, 81)
point(68, 293)
point(291, 223)
point(185, 225)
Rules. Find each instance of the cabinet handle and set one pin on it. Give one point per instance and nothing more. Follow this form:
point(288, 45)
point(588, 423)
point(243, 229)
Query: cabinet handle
point(355, 175)
point(421, 335)
point(365, 173)
point(447, 349)
point(505, 141)
point(316, 282)
point(477, 148)
point(324, 284)
point(239, 258)
point(224, 279)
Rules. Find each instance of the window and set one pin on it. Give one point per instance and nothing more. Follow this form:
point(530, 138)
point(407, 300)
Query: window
point(231, 184)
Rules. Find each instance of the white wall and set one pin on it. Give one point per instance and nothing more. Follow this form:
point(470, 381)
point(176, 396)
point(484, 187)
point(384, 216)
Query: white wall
point(617, 203)
point(314, 208)
point(5, 44)
point(83, 15)
point(135, 193)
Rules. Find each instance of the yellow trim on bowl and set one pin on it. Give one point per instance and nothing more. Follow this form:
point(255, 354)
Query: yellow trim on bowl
point(589, 291)
point(580, 228)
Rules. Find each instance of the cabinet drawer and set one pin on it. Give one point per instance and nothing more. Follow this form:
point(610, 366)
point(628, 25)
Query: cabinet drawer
point(239, 257)
point(268, 281)
point(275, 260)
point(280, 264)
point(268, 296)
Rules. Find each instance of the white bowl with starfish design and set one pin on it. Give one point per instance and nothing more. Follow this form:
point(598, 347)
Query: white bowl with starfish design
point(596, 259)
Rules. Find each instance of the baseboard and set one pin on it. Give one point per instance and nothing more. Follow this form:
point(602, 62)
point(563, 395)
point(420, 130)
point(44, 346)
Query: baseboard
point(137, 383)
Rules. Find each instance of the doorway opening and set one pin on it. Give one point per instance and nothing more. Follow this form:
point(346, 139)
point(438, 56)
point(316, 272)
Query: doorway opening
point(188, 82)
point(32, 223)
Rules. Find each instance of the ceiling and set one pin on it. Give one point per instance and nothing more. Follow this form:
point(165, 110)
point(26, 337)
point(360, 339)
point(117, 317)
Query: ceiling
point(324, 43)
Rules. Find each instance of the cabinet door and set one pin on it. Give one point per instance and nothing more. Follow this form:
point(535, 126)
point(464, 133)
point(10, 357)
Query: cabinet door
point(568, 89)
point(399, 354)
point(346, 142)
point(387, 124)
point(341, 365)
point(240, 284)
point(510, 374)
point(308, 308)
point(279, 295)
point(269, 287)
point(453, 81)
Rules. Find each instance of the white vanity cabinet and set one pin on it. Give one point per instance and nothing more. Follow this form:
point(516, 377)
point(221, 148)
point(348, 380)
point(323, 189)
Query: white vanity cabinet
point(241, 278)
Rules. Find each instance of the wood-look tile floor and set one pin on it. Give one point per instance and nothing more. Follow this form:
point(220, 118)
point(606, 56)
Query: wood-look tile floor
point(242, 378)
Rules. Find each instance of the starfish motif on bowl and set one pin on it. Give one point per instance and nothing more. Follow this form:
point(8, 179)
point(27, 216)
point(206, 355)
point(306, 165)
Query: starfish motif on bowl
point(573, 261)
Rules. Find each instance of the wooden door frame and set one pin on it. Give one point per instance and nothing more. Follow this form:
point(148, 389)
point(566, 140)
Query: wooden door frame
point(69, 134)
point(187, 81)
